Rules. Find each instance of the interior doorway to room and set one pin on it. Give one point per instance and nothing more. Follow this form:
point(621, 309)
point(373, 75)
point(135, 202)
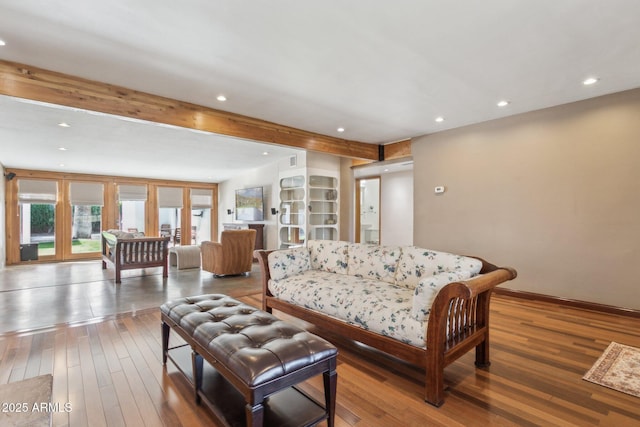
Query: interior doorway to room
point(368, 210)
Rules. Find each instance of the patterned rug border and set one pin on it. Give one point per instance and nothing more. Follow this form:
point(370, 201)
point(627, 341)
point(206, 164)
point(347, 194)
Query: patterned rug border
point(600, 372)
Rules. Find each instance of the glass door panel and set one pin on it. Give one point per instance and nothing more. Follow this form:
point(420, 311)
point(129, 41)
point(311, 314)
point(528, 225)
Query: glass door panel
point(37, 231)
point(86, 224)
point(132, 215)
point(201, 225)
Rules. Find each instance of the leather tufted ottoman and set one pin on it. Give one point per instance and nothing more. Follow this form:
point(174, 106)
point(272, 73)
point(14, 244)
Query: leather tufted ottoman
point(256, 353)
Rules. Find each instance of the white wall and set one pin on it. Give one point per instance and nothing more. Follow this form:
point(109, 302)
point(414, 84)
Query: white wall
point(396, 210)
point(265, 177)
point(347, 201)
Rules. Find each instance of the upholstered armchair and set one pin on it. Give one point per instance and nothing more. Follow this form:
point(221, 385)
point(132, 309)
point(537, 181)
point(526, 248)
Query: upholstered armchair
point(233, 255)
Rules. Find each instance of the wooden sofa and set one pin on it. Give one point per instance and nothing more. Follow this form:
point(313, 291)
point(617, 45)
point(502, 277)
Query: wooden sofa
point(126, 252)
point(457, 320)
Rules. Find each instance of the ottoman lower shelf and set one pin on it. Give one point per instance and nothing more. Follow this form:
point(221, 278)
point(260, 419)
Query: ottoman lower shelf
point(290, 407)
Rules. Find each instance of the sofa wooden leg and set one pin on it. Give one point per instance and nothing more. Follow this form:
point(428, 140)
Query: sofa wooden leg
point(434, 381)
point(482, 354)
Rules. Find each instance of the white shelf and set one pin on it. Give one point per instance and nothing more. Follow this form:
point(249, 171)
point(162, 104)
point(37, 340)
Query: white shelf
point(308, 207)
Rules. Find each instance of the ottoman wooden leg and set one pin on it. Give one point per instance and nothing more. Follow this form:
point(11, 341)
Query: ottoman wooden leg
point(165, 342)
point(255, 415)
point(197, 368)
point(330, 387)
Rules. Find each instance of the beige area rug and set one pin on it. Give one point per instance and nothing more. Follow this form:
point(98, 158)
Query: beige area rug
point(618, 368)
point(25, 403)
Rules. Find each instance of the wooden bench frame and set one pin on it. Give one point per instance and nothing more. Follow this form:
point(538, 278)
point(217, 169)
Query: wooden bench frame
point(143, 252)
point(458, 322)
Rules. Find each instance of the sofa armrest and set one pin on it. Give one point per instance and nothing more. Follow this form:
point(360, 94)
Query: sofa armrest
point(263, 260)
point(462, 308)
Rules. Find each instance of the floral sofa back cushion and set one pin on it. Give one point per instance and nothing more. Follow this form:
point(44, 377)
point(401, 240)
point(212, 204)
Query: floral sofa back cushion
point(417, 263)
point(329, 255)
point(288, 262)
point(374, 261)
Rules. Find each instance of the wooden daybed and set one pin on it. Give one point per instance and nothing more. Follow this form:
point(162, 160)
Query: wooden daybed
point(126, 253)
point(457, 322)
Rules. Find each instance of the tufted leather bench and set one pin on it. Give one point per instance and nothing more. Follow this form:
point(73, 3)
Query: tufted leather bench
point(255, 351)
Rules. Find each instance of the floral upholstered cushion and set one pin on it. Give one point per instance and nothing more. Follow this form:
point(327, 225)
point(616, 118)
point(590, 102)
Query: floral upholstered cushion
point(417, 263)
point(329, 255)
point(372, 305)
point(374, 261)
point(428, 288)
point(288, 262)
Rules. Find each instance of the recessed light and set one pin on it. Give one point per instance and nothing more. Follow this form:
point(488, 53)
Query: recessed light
point(62, 149)
point(440, 119)
point(265, 153)
point(386, 170)
point(61, 165)
point(340, 129)
point(221, 98)
point(64, 125)
point(590, 81)
point(2, 43)
point(503, 103)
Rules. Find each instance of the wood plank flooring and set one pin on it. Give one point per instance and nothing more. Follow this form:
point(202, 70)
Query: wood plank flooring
point(110, 371)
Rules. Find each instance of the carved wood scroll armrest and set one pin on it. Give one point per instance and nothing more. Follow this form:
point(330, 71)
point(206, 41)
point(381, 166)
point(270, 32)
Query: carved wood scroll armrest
point(471, 296)
point(485, 282)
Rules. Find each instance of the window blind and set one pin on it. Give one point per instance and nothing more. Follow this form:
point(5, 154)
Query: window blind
point(169, 197)
point(201, 199)
point(132, 192)
point(37, 191)
point(86, 194)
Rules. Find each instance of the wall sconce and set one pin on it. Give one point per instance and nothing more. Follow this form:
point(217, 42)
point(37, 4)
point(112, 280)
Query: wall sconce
point(274, 211)
point(229, 212)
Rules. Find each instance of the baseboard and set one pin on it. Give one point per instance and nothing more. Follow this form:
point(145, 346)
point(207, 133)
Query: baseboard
point(569, 302)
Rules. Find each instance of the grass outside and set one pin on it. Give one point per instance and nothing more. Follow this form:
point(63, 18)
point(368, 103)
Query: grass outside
point(79, 246)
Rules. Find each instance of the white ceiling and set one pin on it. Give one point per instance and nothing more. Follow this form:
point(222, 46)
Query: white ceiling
point(382, 70)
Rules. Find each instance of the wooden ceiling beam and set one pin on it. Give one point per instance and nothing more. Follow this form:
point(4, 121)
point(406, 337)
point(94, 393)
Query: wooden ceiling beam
point(25, 81)
point(397, 150)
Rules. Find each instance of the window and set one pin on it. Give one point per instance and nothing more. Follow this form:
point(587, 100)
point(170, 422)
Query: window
point(169, 212)
point(86, 201)
point(131, 207)
point(37, 201)
point(201, 203)
point(58, 217)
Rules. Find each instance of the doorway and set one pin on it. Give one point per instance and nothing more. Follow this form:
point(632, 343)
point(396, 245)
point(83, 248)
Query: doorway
point(368, 210)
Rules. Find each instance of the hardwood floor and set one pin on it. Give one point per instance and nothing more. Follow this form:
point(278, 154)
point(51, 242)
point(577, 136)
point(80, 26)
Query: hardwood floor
point(109, 368)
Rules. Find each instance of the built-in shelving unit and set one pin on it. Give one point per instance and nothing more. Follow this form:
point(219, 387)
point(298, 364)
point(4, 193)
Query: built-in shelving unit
point(292, 211)
point(308, 207)
point(323, 207)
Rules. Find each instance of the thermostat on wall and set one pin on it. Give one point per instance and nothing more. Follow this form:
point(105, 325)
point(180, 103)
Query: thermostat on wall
point(439, 190)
